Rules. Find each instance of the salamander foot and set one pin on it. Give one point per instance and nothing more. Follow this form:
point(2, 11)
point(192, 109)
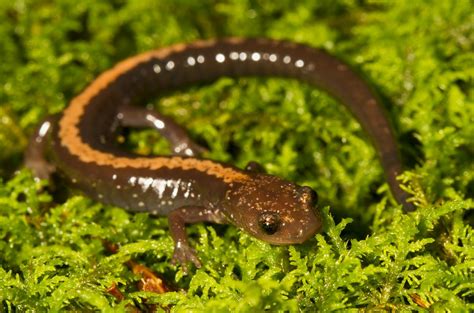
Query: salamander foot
point(183, 254)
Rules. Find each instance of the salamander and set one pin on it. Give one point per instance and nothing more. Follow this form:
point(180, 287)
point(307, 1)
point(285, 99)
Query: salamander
point(80, 142)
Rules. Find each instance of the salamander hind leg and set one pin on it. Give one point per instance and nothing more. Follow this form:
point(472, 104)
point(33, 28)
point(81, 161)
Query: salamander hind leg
point(35, 155)
point(181, 143)
point(177, 219)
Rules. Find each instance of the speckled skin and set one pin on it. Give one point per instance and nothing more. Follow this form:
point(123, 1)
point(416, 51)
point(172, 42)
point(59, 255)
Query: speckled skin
point(80, 142)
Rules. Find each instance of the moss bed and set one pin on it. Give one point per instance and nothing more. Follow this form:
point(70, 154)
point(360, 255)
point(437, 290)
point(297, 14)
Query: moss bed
point(417, 55)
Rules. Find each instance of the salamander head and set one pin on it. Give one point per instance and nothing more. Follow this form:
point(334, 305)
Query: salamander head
point(273, 210)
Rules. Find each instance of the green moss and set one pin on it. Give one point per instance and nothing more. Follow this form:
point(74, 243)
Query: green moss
point(417, 54)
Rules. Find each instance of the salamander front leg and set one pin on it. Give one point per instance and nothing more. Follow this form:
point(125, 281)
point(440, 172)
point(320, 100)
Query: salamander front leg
point(177, 219)
point(35, 155)
point(181, 143)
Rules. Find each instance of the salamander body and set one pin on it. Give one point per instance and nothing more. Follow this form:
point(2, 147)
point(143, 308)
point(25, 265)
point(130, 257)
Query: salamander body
point(80, 142)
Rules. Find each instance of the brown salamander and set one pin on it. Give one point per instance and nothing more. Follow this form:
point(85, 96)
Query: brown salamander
point(79, 143)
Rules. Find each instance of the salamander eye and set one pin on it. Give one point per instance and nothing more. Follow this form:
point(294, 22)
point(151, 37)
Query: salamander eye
point(269, 222)
point(308, 195)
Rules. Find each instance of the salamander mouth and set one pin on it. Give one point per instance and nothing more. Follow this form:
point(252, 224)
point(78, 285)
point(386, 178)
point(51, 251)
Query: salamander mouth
point(298, 238)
